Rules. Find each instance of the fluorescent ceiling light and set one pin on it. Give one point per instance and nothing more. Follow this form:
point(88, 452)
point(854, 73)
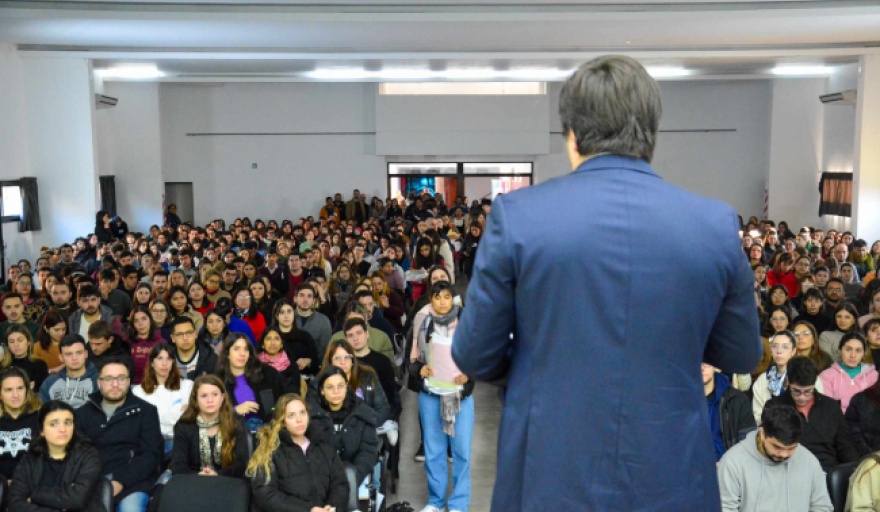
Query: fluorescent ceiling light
point(667, 72)
point(538, 74)
point(405, 74)
point(417, 74)
point(131, 71)
point(801, 70)
point(339, 74)
point(468, 74)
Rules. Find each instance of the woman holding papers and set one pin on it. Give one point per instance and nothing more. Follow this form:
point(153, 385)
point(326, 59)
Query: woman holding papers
point(445, 404)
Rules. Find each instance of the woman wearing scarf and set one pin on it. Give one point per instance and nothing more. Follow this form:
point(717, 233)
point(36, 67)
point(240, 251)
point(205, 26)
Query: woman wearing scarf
point(208, 439)
point(783, 346)
point(446, 407)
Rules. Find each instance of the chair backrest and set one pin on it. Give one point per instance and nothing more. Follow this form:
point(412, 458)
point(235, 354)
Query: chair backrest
point(4, 491)
point(838, 484)
point(197, 493)
point(105, 491)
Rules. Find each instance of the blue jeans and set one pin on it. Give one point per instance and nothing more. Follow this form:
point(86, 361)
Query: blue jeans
point(134, 502)
point(436, 441)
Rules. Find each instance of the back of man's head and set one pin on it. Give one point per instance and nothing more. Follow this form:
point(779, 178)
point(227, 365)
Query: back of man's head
point(802, 371)
point(781, 422)
point(611, 105)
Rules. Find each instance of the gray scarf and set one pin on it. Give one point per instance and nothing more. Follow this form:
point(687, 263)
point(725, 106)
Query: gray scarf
point(446, 319)
point(205, 456)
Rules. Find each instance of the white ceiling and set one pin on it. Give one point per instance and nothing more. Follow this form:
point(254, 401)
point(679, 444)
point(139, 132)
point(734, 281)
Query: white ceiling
point(201, 39)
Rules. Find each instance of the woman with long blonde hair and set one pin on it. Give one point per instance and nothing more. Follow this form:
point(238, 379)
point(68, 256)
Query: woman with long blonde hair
point(293, 466)
point(208, 439)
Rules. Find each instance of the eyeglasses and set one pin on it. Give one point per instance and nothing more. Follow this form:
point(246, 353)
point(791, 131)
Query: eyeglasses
point(800, 334)
point(159, 310)
point(802, 392)
point(775, 347)
point(110, 380)
point(185, 334)
point(834, 290)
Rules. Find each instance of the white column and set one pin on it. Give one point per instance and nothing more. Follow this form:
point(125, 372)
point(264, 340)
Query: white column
point(59, 112)
point(866, 180)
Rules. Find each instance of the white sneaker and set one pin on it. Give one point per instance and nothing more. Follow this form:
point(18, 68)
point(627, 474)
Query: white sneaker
point(431, 508)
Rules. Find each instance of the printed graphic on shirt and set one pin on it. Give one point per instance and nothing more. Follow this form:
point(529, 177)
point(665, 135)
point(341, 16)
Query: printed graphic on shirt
point(12, 443)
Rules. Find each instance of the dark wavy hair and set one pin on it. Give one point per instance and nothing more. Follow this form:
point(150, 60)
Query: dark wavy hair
point(253, 369)
point(39, 447)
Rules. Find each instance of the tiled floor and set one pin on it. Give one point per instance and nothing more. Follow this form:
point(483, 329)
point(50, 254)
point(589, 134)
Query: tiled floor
point(412, 486)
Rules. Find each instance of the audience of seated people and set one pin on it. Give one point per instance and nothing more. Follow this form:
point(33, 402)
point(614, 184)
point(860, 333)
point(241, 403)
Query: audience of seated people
point(97, 323)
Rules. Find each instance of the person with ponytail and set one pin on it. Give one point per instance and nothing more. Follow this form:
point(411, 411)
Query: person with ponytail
point(209, 440)
point(292, 469)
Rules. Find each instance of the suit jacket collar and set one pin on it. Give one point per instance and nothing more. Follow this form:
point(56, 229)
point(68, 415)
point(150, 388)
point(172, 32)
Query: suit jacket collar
point(604, 162)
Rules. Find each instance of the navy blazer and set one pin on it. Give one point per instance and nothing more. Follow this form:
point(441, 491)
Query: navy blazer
point(616, 286)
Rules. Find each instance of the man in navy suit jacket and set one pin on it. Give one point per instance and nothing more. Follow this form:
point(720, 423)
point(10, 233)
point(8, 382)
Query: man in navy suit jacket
point(613, 306)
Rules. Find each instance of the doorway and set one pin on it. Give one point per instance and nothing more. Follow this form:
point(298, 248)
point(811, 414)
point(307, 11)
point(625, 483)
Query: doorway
point(180, 193)
point(475, 181)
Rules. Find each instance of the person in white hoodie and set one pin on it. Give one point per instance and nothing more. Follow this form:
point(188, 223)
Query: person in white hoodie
point(768, 471)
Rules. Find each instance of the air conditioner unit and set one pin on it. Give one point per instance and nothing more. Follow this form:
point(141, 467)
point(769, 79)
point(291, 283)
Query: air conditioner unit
point(839, 98)
point(102, 101)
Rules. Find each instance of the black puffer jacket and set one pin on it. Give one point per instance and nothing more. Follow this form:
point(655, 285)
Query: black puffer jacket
point(301, 481)
point(863, 422)
point(78, 490)
point(356, 442)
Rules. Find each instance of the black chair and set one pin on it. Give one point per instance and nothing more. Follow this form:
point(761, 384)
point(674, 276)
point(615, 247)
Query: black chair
point(4, 491)
point(197, 493)
point(838, 484)
point(105, 490)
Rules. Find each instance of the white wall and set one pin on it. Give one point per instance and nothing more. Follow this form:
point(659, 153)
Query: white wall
point(308, 140)
point(796, 158)
point(59, 109)
point(731, 166)
point(462, 125)
point(129, 148)
point(13, 144)
point(839, 133)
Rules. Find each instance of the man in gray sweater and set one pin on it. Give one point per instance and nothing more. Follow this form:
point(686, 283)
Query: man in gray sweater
point(768, 470)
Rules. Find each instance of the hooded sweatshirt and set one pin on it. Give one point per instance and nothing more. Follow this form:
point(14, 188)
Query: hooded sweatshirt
point(750, 481)
point(75, 392)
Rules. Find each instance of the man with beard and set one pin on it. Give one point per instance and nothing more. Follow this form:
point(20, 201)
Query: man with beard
point(126, 434)
point(768, 470)
point(90, 311)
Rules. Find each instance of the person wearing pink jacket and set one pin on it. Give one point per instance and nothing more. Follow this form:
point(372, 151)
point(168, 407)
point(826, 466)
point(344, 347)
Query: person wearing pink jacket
point(850, 375)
